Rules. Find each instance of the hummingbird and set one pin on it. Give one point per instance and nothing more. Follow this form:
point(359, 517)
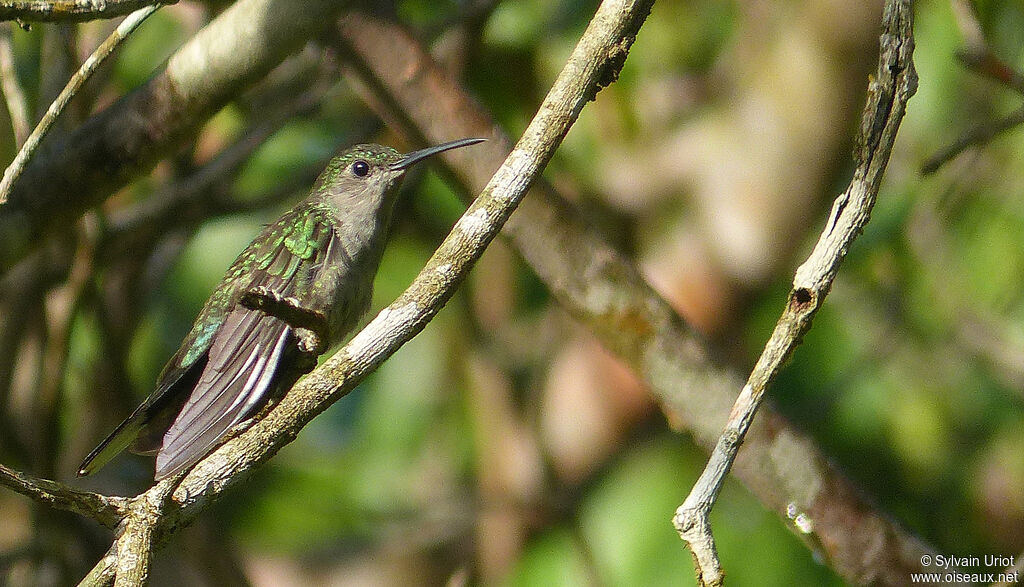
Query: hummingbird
point(301, 285)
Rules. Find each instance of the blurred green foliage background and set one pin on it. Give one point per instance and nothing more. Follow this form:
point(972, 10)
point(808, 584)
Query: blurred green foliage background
point(503, 442)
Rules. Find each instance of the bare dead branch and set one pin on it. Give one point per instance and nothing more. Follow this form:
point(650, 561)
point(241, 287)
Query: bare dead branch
point(210, 184)
point(894, 83)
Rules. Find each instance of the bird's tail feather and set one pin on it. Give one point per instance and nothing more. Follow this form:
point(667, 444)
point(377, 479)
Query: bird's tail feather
point(113, 444)
point(149, 419)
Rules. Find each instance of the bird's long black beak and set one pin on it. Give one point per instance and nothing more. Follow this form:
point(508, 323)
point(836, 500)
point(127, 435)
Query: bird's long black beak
point(416, 156)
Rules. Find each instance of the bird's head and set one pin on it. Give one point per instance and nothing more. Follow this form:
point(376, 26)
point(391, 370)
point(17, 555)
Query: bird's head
point(366, 177)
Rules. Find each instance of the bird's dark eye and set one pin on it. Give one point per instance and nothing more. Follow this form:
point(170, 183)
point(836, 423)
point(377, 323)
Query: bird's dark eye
point(361, 168)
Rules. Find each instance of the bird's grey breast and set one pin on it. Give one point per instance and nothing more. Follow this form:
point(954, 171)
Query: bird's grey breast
point(348, 271)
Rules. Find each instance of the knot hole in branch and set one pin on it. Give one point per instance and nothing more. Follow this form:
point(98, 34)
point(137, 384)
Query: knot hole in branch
point(802, 299)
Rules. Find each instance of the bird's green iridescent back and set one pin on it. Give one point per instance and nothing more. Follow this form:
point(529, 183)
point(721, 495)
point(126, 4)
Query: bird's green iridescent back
point(284, 247)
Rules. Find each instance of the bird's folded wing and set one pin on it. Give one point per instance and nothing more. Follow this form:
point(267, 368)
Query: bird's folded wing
point(244, 358)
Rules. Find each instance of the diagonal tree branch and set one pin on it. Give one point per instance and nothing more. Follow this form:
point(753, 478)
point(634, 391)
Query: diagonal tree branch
point(593, 64)
point(106, 510)
point(605, 291)
point(975, 137)
point(72, 10)
point(894, 83)
point(68, 176)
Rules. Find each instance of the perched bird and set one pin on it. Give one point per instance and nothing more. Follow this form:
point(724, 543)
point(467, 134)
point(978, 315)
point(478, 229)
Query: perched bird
point(300, 286)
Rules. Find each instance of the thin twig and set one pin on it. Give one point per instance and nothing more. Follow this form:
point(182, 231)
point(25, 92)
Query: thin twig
point(13, 94)
point(107, 47)
point(888, 92)
point(72, 10)
point(978, 57)
point(593, 64)
point(104, 509)
point(977, 136)
point(985, 62)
